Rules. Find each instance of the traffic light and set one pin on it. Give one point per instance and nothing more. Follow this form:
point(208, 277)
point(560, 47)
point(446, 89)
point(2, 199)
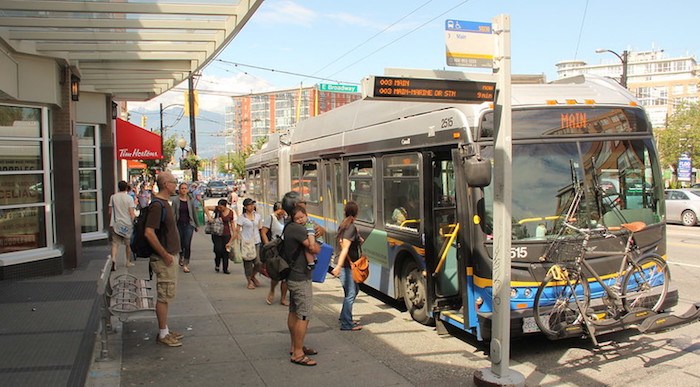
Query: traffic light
point(144, 119)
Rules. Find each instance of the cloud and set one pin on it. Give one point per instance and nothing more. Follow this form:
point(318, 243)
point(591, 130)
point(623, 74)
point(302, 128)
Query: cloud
point(287, 12)
point(215, 92)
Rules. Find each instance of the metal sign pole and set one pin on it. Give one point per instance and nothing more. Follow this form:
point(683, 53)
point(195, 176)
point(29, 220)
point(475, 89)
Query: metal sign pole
point(499, 373)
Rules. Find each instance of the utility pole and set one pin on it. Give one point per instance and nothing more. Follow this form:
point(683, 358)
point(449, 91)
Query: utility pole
point(193, 129)
point(162, 156)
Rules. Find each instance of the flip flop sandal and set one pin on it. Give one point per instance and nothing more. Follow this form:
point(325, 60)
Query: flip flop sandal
point(308, 351)
point(304, 360)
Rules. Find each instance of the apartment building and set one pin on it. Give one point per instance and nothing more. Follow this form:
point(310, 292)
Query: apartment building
point(255, 116)
point(661, 83)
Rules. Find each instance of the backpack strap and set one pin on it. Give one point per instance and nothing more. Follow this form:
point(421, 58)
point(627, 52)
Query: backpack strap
point(162, 219)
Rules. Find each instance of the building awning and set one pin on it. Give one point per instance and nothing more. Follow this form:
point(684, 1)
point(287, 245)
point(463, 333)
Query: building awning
point(133, 50)
point(136, 143)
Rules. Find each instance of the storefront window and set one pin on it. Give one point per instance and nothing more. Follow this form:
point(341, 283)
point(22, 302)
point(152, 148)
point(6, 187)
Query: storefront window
point(89, 175)
point(23, 197)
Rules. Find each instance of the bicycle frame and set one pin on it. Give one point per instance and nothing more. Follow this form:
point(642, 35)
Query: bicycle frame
point(625, 262)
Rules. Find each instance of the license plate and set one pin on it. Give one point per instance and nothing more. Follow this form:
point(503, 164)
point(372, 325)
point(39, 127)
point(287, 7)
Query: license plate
point(529, 325)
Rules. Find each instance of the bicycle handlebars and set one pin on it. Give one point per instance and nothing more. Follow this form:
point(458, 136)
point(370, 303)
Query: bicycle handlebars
point(588, 231)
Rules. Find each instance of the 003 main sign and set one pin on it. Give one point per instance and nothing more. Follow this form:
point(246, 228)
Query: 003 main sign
point(425, 89)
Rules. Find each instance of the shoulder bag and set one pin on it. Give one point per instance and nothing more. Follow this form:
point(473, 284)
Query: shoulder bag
point(360, 268)
point(214, 227)
point(248, 250)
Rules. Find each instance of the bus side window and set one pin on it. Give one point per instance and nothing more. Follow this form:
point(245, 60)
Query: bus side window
point(402, 192)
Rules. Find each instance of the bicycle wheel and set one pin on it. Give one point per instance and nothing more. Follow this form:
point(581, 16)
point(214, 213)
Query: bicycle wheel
point(558, 304)
point(645, 284)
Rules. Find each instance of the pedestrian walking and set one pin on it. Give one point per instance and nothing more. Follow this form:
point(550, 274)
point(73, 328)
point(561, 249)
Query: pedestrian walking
point(121, 215)
point(187, 223)
point(222, 243)
point(249, 225)
point(164, 238)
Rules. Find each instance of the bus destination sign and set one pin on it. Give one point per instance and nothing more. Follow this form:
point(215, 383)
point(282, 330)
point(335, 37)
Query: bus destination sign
point(430, 89)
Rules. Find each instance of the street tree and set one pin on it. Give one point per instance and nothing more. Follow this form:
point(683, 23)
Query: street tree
point(168, 152)
point(682, 135)
point(238, 159)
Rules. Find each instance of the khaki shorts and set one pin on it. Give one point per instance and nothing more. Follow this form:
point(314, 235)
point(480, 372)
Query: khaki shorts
point(166, 279)
point(301, 298)
point(118, 239)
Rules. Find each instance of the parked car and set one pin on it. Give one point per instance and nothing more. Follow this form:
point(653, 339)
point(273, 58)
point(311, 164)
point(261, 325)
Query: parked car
point(682, 206)
point(216, 188)
point(230, 184)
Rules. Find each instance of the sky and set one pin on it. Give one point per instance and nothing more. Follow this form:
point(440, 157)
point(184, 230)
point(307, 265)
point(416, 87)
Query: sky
point(347, 40)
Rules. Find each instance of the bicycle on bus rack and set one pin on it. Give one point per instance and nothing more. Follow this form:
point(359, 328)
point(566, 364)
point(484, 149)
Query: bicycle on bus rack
point(632, 297)
point(562, 306)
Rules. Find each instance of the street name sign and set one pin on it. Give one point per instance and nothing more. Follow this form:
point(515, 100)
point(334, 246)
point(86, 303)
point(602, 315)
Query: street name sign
point(338, 88)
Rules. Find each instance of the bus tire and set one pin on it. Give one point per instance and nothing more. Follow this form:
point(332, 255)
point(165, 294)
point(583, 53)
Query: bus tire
point(415, 294)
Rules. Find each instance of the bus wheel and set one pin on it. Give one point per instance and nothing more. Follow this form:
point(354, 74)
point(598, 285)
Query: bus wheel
point(415, 294)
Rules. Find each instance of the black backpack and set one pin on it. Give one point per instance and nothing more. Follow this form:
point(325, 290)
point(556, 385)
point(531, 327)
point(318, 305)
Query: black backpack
point(139, 244)
point(273, 257)
point(276, 262)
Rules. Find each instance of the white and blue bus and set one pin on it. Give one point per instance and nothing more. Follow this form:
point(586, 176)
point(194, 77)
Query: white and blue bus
point(428, 227)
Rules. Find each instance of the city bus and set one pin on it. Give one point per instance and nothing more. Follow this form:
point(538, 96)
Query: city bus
point(427, 220)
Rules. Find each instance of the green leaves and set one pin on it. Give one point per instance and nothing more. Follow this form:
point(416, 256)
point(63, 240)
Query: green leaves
point(681, 135)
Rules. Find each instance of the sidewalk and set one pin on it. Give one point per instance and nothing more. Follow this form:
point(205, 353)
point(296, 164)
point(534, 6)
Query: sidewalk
point(47, 325)
point(232, 337)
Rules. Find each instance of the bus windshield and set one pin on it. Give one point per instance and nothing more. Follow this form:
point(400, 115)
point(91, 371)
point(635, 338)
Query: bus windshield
point(630, 188)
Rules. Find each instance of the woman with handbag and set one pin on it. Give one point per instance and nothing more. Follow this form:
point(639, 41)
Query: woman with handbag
point(349, 241)
point(221, 237)
point(272, 228)
point(187, 224)
point(249, 225)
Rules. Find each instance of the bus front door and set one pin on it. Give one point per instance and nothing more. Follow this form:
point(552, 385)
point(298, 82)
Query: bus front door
point(445, 230)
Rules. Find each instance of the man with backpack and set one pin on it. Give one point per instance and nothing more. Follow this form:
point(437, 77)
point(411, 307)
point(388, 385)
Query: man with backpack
point(296, 243)
point(162, 234)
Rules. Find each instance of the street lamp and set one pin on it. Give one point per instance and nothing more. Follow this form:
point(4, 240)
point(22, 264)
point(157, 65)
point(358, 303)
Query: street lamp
point(162, 128)
point(182, 143)
point(623, 58)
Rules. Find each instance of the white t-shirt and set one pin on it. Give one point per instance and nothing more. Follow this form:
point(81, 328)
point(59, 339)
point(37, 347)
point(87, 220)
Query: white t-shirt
point(275, 225)
point(120, 203)
point(250, 229)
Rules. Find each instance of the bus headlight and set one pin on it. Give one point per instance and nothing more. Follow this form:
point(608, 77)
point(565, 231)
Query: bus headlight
point(528, 292)
point(513, 292)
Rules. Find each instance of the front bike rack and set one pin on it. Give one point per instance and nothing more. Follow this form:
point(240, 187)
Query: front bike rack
point(663, 321)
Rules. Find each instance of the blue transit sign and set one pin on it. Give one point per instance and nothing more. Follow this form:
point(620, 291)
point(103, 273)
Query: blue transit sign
point(469, 43)
point(685, 168)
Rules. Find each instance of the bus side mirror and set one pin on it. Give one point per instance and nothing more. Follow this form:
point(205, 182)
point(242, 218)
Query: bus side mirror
point(478, 172)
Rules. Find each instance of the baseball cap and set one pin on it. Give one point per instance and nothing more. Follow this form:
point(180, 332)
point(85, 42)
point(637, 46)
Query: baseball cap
point(248, 201)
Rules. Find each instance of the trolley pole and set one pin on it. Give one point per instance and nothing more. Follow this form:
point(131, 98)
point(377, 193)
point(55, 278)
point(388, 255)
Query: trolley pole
point(499, 374)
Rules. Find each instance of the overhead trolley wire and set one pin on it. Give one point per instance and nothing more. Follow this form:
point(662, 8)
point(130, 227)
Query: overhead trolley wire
point(284, 72)
point(372, 37)
point(399, 38)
